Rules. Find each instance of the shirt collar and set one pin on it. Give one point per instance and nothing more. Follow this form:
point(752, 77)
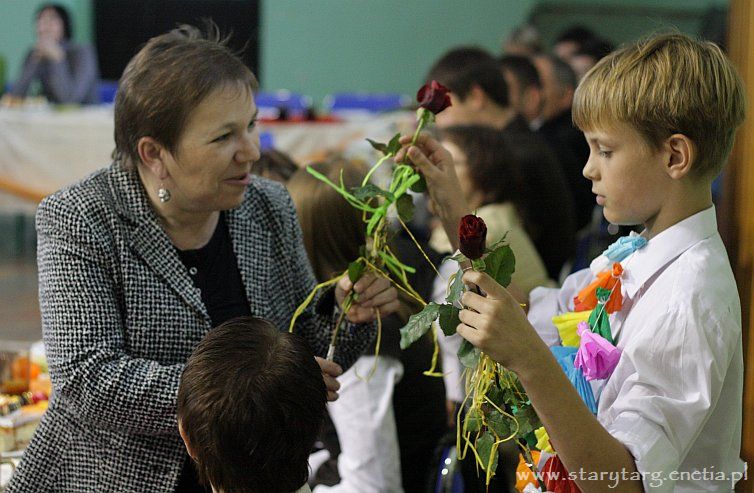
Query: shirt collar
point(665, 247)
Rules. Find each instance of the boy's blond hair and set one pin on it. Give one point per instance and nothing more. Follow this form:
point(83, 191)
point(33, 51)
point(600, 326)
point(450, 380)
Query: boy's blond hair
point(666, 84)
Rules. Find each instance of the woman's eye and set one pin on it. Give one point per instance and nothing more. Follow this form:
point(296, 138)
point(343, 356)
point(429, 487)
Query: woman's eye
point(605, 154)
point(252, 124)
point(222, 138)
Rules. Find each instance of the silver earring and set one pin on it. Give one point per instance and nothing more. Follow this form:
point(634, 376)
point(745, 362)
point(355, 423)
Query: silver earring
point(163, 194)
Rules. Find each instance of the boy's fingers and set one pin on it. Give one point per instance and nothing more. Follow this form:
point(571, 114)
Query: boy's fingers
point(488, 284)
point(473, 301)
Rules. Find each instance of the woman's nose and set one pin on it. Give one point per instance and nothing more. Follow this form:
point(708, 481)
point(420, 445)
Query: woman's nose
point(249, 150)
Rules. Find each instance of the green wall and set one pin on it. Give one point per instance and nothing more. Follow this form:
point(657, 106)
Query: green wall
point(362, 45)
point(321, 46)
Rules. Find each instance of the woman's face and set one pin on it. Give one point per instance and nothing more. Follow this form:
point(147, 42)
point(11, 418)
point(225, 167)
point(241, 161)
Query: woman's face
point(50, 26)
point(210, 169)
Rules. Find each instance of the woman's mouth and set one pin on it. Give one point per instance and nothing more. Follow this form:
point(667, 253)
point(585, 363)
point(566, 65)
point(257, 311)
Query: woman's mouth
point(241, 180)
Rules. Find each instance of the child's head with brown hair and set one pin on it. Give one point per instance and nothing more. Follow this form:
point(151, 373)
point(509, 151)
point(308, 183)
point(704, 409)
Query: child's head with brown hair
point(250, 404)
point(664, 85)
point(660, 117)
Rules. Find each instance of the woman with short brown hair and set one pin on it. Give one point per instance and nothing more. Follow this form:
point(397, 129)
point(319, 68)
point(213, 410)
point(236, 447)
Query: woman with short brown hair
point(140, 259)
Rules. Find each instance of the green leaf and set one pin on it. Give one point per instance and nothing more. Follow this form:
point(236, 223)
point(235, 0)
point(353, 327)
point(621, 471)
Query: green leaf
point(458, 257)
point(473, 420)
point(370, 190)
point(449, 319)
point(496, 395)
point(418, 324)
point(499, 424)
point(479, 264)
point(456, 287)
point(485, 448)
point(405, 207)
point(379, 146)
point(468, 354)
point(420, 186)
point(500, 264)
point(528, 421)
point(394, 145)
point(355, 270)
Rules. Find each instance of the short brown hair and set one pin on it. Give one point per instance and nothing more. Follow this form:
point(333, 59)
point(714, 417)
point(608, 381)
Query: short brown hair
point(251, 402)
point(666, 84)
point(166, 80)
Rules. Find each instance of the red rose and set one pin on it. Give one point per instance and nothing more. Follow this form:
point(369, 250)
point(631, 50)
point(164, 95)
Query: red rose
point(434, 97)
point(472, 235)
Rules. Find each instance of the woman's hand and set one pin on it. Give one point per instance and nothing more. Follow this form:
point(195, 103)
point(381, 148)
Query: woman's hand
point(50, 49)
point(497, 324)
point(330, 371)
point(435, 163)
point(373, 292)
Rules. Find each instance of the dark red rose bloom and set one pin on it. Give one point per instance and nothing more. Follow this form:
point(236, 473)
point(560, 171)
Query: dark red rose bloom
point(472, 235)
point(433, 96)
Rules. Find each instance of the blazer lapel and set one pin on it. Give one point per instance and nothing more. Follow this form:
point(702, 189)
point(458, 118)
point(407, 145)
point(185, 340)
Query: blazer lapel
point(149, 241)
point(252, 243)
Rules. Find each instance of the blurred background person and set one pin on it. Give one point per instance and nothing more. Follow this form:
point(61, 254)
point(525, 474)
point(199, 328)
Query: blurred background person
point(67, 71)
point(570, 42)
point(524, 40)
point(274, 165)
point(591, 52)
point(555, 125)
point(524, 87)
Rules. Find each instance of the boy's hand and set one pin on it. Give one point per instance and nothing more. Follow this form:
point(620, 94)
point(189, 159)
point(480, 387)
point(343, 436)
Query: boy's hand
point(330, 371)
point(497, 325)
point(373, 292)
point(436, 165)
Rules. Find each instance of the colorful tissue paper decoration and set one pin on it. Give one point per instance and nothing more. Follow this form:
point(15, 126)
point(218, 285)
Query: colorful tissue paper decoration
point(567, 325)
point(588, 352)
point(596, 357)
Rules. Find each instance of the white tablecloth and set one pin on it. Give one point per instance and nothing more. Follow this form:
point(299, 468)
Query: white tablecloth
point(45, 149)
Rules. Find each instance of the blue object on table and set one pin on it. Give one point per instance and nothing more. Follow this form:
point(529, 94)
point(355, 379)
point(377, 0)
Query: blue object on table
point(274, 104)
point(266, 141)
point(370, 102)
point(107, 90)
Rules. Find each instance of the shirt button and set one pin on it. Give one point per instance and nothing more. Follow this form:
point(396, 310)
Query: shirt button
point(192, 271)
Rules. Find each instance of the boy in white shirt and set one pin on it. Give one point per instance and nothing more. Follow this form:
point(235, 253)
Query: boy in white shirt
point(660, 118)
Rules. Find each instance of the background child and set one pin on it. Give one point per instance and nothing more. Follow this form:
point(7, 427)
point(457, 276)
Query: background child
point(250, 404)
point(660, 118)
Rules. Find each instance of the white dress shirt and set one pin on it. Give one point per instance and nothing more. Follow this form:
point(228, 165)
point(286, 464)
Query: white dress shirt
point(675, 398)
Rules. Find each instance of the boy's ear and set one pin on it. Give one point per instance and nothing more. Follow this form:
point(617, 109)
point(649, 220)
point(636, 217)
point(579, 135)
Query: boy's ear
point(185, 441)
point(681, 155)
point(152, 155)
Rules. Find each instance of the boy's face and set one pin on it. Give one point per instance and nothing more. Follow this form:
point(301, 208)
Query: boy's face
point(627, 175)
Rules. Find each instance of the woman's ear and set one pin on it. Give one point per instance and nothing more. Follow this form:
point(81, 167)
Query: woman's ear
point(152, 155)
point(681, 155)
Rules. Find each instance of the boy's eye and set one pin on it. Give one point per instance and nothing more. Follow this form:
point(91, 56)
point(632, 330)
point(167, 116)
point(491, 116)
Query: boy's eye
point(222, 137)
point(253, 123)
point(605, 154)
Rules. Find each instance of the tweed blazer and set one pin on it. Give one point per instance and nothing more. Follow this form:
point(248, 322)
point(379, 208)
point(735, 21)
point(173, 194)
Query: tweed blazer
point(121, 315)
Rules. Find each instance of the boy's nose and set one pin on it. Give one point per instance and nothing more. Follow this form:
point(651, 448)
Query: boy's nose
point(590, 170)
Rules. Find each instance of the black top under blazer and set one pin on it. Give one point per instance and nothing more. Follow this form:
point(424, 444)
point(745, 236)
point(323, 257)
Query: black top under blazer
point(121, 315)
